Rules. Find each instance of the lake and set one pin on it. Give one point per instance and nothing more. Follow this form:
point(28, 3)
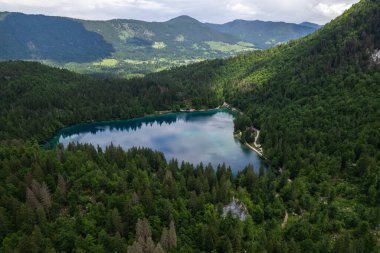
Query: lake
point(187, 136)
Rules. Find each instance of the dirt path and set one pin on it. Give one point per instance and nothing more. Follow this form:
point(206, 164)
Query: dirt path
point(257, 137)
point(259, 152)
point(256, 147)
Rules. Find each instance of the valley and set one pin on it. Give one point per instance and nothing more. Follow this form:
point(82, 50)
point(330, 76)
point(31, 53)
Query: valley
point(133, 48)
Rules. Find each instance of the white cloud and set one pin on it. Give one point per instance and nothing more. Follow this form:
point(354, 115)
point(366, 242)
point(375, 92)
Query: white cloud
point(332, 9)
point(218, 11)
point(242, 9)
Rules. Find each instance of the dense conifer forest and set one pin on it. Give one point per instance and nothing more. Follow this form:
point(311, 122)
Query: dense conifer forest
point(315, 100)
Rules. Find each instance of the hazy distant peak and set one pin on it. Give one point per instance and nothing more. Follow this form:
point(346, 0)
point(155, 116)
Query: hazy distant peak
point(239, 21)
point(184, 18)
point(311, 25)
point(258, 22)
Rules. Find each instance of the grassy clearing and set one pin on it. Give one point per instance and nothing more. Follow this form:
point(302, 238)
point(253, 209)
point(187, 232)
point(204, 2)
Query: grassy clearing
point(135, 62)
point(226, 47)
point(159, 45)
point(245, 44)
point(107, 63)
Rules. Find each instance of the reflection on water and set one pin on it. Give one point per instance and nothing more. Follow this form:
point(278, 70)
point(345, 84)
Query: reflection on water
point(193, 137)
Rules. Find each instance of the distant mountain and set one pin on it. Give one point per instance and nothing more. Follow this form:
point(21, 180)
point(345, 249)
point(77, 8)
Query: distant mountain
point(184, 19)
point(130, 47)
point(265, 34)
point(55, 38)
point(311, 25)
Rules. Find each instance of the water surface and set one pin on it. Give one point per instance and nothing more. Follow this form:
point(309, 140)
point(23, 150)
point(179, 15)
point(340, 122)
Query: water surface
point(192, 137)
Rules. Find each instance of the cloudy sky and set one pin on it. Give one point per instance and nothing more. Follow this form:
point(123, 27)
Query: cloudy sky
point(216, 11)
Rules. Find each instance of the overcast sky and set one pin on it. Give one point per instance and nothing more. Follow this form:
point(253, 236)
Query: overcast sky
point(216, 11)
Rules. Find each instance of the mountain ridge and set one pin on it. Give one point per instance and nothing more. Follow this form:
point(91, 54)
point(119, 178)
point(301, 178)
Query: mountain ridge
point(258, 32)
point(179, 17)
point(125, 46)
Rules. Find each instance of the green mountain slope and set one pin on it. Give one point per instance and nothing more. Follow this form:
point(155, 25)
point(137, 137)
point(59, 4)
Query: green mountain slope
point(116, 47)
point(39, 37)
point(180, 37)
point(315, 100)
point(265, 34)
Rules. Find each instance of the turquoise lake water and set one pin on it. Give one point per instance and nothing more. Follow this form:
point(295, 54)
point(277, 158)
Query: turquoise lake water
point(191, 137)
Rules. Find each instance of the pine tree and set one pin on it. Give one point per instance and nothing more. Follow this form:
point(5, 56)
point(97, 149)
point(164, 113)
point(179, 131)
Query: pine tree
point(61, 185)
point(172, 236)
point(45, 196)
point(144, 236)
point(158, 249)
point(32, 200)
point(135, 248)
point(149, 245)
point(35, 187)
point(143, 229)
point(165, 239)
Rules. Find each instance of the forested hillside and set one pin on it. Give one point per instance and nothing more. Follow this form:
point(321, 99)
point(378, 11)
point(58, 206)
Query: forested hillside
point(318, 92)
point(38, 37)
point(37, 100)
point(315, 100)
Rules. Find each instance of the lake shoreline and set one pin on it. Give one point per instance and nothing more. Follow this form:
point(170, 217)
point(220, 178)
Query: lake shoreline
point(47, 143)
point(192, 136)
point(255, 150)
point(246, 144)
point(224, 107)
point(230, 109)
